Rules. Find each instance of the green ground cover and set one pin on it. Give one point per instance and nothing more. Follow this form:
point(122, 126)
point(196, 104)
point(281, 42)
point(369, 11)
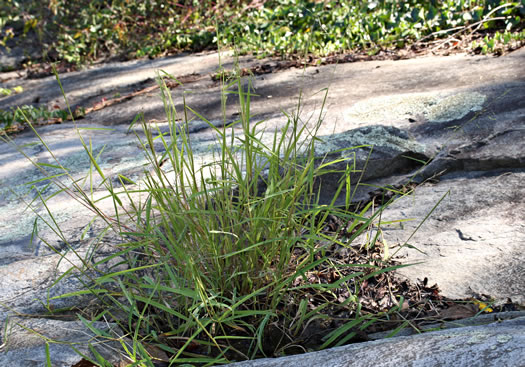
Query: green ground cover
point(82, 31)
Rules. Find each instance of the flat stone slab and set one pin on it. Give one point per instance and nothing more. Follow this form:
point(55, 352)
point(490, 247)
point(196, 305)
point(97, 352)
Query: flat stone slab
point(22, 342)
point(19, 179)
point(472, 241)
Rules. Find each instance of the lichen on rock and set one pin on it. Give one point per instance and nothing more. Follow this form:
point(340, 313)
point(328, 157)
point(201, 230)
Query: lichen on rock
point(431, 107)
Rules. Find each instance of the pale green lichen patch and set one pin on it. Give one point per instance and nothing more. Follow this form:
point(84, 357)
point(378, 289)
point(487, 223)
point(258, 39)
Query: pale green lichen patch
point(455, 106)
point(477, 337)
point(449, 347)
point(373, 136)
point(503, 338)
point(429, 107)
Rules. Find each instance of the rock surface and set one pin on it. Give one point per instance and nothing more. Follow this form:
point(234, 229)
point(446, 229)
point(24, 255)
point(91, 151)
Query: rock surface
point(465, 115)
point(497, 344)
point(473, 240)
point(24, 342)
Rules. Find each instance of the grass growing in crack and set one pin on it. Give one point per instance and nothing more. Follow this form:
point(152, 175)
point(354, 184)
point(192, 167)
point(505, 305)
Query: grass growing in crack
point(222, 261)
point(228, 242)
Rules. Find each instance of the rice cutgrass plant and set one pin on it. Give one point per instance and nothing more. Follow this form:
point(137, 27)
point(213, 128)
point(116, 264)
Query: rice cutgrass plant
point(217, 256)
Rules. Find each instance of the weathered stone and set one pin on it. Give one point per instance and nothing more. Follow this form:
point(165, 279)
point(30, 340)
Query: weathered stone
point(497, 344)
point(30, 286)
point(23, 342)
point(472, 241)
point(483, 319)
point(372, 152)
point(123, 157)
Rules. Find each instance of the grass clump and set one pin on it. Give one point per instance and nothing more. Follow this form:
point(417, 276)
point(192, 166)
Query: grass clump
point(230, 260)
point(226, 248)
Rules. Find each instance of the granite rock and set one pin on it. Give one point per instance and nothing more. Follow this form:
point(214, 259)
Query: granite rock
point(496, 344)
